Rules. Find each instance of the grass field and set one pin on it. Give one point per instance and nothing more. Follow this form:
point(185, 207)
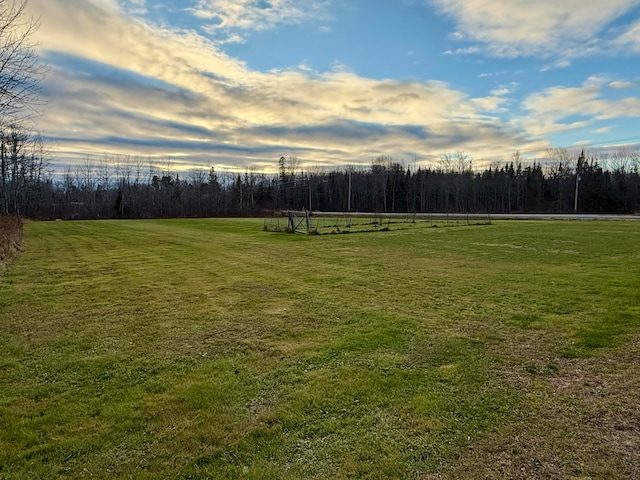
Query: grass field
point(212, 349)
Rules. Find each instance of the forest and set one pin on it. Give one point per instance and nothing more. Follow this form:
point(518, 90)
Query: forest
point(124, 186)
point(121, 186)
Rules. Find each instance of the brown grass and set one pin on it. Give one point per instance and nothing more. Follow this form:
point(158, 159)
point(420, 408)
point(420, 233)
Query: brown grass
point(11, 238)
point(581, 421)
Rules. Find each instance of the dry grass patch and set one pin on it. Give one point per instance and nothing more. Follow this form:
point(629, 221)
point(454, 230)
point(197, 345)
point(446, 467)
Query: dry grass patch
point(11, 238)
point(580, 420)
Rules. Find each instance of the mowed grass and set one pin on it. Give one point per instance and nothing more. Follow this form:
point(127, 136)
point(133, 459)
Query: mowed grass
point(211, 349)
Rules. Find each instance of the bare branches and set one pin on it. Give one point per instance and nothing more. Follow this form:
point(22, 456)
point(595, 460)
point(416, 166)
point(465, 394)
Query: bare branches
point(21, 71)
point(457, 162)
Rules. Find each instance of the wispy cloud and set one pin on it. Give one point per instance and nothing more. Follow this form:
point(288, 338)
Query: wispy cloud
point(549, 29)
point(630, 38)
point(616, 85)
point(224, 15)
point(138, 6)
point(560, 109)
point(503, 90)
point(463, 51)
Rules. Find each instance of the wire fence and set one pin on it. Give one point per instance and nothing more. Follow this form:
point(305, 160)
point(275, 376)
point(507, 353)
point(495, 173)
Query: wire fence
point(312, 223)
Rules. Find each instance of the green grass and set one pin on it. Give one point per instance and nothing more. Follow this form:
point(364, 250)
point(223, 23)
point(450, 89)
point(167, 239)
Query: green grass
point(212, 349)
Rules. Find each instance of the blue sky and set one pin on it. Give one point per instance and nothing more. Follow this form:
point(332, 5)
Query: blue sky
point(239, 83)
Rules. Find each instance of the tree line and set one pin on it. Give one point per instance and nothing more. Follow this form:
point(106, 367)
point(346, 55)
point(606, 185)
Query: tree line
point(130, 187)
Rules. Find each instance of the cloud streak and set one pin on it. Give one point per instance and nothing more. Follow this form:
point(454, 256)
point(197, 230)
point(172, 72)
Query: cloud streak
point(249, 15)
point(552, 29)
point(555, 109)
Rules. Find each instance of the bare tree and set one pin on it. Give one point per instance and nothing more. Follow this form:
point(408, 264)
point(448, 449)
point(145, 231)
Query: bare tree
point(20, 68)
point(197, 177)
point(293, 163)
point(622, 160)
point(138, 166)
point(457, 162)
point(104, 173)
point(457, 166)
point(23, 160)
point(20, 75)
point(560, 161)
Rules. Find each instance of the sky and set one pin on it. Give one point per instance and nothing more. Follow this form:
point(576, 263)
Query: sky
point(240, 83)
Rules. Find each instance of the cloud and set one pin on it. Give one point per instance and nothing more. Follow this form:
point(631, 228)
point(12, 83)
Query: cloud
point(257, 14)
point(630, 38)
point(560, 109)
point(120, 85)
point(489, 104)
point(503, 90)
point(233, 38)
point(620, 84)
point(551, 28)
point(463, 51)
point(134, 7)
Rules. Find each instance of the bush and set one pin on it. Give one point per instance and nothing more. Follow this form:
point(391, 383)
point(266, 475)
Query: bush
point(11, 237)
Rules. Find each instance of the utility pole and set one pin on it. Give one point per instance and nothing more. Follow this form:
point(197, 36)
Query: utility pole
point(349, 200)
point(575, 203)
point(579, 166)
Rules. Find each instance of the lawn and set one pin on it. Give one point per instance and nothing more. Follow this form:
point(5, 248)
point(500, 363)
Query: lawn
point(212, 349)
